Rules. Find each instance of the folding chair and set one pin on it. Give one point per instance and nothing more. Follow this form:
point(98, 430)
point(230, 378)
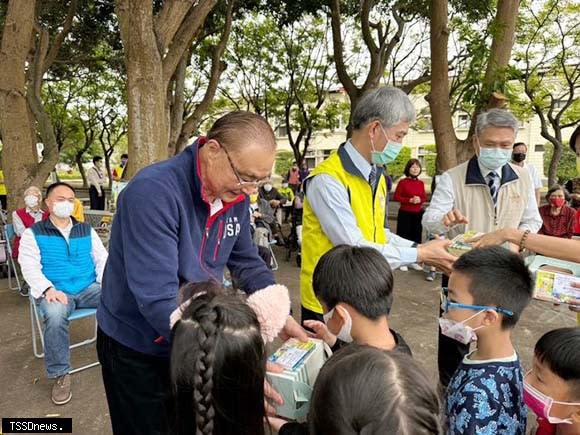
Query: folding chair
point(9, 235)
point(36, 326)
point(274, 263)
point(98, 218)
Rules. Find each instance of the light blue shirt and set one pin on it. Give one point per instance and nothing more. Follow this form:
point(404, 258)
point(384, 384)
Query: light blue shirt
point(330, 203)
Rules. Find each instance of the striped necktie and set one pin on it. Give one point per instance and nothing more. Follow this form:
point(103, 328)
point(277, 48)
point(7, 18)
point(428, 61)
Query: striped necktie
point(373, 177)
point(491, 177)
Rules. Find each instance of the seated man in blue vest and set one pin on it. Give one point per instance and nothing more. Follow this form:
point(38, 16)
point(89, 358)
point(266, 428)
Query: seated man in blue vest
point(62, 260)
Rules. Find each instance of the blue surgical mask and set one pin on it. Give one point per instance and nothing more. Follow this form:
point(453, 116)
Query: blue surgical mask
point(389, 154)
point(494, 158)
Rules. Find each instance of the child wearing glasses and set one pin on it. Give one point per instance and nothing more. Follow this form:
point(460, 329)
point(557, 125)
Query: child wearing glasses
point(488, 290)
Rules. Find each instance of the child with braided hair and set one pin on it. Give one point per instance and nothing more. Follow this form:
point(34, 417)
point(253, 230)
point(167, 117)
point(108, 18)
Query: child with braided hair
point(218, 357)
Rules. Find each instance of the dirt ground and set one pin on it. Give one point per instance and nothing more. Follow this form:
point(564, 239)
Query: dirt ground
point(27, 390)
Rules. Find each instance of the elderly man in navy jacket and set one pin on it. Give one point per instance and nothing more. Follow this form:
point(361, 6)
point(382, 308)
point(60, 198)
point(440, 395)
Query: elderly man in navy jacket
point(181, 220)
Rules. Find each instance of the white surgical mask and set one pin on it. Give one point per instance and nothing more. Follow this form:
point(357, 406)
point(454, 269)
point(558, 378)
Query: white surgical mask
point(459, 331)
point(267, 187)
point(31, 201)
point(62, 209)
point(345, 331)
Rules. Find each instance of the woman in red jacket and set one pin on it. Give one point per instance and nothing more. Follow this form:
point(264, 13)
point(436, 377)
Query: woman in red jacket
point(410, 193)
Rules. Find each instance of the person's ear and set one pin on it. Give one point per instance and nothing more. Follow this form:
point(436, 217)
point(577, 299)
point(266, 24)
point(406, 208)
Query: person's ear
point(340, 315)
point(490, 317)
point(213, 147)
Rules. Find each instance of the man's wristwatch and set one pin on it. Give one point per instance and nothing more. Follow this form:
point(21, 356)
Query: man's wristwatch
point(414, 245)
point(44, 292)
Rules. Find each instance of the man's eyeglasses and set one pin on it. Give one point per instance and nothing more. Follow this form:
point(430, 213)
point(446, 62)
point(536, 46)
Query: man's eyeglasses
point(241, 181)
point(446, 305)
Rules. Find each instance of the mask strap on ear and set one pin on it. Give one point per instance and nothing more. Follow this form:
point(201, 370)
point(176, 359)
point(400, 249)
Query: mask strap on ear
point(472, 317)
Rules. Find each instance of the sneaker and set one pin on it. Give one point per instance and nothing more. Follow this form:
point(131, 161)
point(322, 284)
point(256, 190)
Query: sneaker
point(404, 268)
point(416, 266)
point(61, 392)
point(430, 276)
point(24, 289)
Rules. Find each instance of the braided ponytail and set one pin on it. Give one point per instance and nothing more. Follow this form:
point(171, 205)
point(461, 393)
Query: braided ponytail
point(203, 378)
point(218, 363)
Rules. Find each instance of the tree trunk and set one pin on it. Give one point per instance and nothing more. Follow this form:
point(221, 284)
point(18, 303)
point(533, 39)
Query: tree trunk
point(177, 107)
point(553, 170)
point(19, 156)
point(154, 46)
point(79, 162)
point(439, 102)
point(146, 90)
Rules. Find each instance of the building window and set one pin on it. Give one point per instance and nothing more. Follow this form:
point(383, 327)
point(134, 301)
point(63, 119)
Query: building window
point(539, 148)
point(282, 131)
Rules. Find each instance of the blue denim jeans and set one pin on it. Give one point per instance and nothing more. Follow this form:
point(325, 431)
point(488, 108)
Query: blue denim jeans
point(55, 329)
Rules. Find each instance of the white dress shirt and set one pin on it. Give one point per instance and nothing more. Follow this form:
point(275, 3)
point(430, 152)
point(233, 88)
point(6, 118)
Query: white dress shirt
point(29, 259)
point(330, 203)
point(443, 201)
point(536, 180)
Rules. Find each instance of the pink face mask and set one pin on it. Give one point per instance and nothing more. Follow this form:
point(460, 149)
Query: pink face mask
point(459, 331)
point(541, 404)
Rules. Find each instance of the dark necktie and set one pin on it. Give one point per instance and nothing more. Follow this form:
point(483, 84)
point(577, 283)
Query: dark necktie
point(491, 177)
point(373, 177)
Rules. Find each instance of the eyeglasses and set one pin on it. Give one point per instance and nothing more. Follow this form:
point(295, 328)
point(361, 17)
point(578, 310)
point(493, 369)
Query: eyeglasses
point(241, 181)
point(446, 305)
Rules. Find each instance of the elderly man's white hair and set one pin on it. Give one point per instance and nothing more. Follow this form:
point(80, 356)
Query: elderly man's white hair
point(33, 190)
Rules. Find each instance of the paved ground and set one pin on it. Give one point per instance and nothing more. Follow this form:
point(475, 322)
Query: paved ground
point(27, 391)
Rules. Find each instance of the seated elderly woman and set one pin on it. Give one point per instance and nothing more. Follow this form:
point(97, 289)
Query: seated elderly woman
point(25, 217)
point(557, 216)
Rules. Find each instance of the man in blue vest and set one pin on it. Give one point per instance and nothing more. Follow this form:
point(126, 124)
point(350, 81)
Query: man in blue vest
point(62, 261)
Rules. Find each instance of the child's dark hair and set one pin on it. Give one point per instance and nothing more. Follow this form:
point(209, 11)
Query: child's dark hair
point(365, 390)
point(218, 364)
point(360, 277)
point(560, 351)
point(499, 278)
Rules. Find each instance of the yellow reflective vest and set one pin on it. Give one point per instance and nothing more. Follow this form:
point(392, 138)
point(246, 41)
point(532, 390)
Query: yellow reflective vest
point(2, 183)
point(368, 210)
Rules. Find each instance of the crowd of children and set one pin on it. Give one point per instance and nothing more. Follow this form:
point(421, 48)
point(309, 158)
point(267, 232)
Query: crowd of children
point(371, 384)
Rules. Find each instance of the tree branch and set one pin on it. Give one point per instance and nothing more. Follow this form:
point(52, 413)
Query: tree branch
point(338, 48)
point(59, 39)
point(217, 67)
point(190, 26)
point(168, 20)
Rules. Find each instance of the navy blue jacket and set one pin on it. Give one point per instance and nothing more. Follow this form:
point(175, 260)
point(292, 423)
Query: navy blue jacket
point(163, 237)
